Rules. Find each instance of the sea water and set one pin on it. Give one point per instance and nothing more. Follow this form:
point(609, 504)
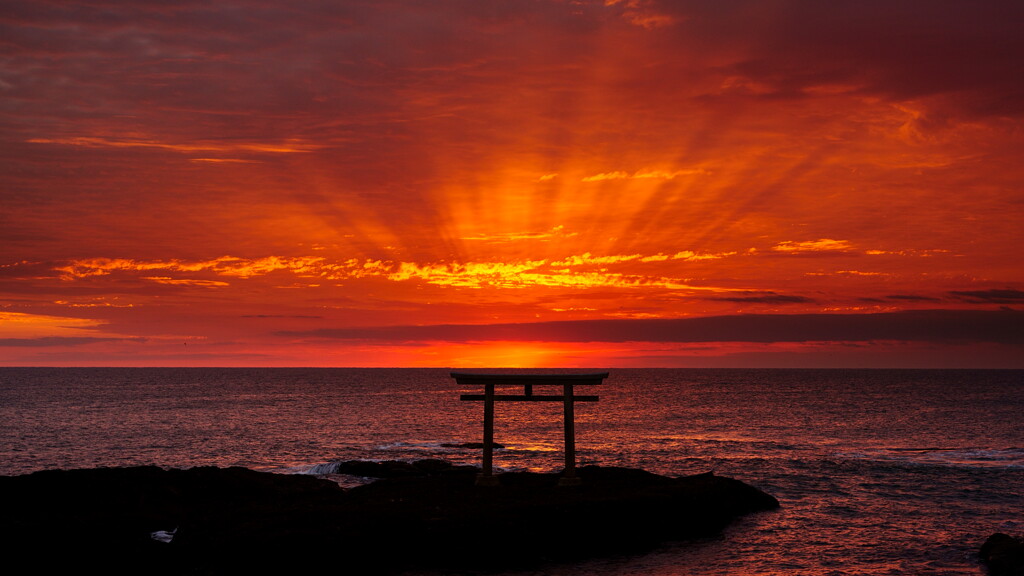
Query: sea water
point(877, 471)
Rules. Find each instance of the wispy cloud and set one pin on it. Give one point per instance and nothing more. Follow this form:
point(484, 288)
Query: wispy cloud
point(848, 273)
point(810, 246)
point(185, 281)
point(574, 271)
point(644, 175)
point(588, 259)
point(20, 326)
point(284, 147)
point(223, 160)
point(552, 234)
point(225, 266)
point(644, 13)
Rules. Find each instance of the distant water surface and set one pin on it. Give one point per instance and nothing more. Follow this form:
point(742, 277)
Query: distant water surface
point(878, 471)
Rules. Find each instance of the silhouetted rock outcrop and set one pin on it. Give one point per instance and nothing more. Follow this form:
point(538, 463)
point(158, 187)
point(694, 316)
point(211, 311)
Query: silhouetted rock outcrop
point(230, 520)
point(1004, 555)
point(399, 469)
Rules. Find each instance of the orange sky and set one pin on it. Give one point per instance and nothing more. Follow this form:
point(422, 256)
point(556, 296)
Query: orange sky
point(553, 183)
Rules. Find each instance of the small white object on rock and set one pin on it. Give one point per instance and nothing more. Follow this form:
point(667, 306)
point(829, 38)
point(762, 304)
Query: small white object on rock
point(164, 536)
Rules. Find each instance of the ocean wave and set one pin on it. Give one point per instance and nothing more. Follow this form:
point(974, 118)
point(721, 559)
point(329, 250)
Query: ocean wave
point(420, 445)
point(973, 457)
point(323, 468)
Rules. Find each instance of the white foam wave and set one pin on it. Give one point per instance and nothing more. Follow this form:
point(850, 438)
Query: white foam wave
point(325, 468)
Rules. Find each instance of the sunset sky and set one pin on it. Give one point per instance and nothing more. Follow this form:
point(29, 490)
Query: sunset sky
point(756, 183)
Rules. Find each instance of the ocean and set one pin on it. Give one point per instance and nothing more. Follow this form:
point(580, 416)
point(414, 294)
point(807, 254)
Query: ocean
point(877, 471)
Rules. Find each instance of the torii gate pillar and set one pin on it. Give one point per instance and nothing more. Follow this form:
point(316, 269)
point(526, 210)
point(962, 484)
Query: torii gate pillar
point(528, 381)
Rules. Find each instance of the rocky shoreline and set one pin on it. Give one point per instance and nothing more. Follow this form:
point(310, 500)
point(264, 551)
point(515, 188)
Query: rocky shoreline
point(428, 515)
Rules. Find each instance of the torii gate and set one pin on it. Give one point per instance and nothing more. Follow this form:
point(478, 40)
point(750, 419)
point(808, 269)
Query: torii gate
point(528, 381)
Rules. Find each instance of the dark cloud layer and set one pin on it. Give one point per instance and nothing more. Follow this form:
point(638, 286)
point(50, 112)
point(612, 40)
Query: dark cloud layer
point(53, 341)
point(1005, 296)
point(964, 52)
point(768, 299)
point(1005, 327)
point(912, 297)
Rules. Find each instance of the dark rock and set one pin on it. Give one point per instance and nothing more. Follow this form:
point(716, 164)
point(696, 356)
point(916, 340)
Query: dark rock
point(104, 517)
point(1003, 554)
point(385, 469)
point(435, 467)
point(234, 520)
point(398, 469)
point(530, 519)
